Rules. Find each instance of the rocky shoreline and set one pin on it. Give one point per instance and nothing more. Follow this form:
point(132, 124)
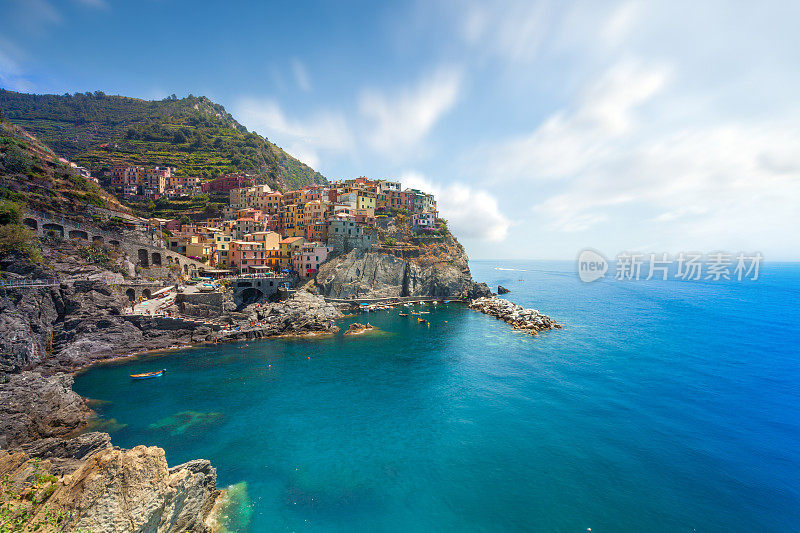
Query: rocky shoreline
point(357, 329)
point(47, 334)
point(79, 479)
point(527, 320)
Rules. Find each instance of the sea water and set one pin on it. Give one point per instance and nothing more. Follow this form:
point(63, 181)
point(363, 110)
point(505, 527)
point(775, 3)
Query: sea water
point(661, 406)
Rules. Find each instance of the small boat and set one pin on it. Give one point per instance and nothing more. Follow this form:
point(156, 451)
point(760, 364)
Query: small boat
point(403, 314)
point(421, 320)
point(148, 375)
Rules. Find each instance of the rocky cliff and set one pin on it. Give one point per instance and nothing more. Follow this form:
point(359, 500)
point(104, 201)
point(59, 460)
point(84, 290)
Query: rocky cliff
point(56, 480)
point(437, 269)
point(61, 479)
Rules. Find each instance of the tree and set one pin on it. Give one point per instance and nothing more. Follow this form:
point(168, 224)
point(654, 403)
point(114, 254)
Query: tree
point(178, 137)
point(184, 220)
point(212, 210)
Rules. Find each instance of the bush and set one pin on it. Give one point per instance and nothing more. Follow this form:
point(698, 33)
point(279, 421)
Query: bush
point(389, 242)
point(10, 212)
point(96, 254)
point(17, 161)
point(18, 238)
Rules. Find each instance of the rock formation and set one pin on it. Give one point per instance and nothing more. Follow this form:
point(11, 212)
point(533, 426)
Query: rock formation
point(360, 274)
point(357, 329)
point(82, 482)
point(502, 290)
point(110, 489)
point(528, 320)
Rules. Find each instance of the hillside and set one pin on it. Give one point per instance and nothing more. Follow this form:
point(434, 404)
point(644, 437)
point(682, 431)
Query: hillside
point(193, 134)
point(31, 174)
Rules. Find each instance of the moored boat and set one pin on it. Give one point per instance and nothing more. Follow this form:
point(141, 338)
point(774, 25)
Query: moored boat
point(148, 375)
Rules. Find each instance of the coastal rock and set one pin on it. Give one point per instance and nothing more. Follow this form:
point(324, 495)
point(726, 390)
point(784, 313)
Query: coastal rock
point(302, 314)
point(357, 329)
point(361, 274)
point(528, 320)
point(34, 407)
point(115, 490)
point(502, 290)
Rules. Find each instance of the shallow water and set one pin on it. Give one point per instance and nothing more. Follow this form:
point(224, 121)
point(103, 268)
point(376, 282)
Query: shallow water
point(661, 406)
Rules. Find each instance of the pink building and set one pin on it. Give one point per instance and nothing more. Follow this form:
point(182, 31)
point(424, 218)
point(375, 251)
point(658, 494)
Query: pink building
point(247, 256)
point(310, 256)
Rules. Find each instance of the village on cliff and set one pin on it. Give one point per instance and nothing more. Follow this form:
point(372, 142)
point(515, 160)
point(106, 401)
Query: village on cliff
point(264, 231)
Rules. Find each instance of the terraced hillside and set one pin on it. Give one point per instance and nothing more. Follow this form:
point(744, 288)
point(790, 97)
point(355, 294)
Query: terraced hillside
point(31, 174)
point(193, 134)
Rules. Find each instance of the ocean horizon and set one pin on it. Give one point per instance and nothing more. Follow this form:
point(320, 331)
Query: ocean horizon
point(660, 406)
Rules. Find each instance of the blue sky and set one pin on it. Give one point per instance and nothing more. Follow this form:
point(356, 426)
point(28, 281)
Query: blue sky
point(543, 127)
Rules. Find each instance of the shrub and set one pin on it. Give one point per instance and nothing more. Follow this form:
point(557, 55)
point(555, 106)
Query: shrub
point(17, 161)
point(10, 212)
point(18, 238)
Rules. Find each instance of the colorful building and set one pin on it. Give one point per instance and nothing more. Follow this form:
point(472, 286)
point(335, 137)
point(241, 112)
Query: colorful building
point(307, 260)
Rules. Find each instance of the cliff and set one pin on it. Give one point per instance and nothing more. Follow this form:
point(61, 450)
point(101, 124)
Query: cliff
point(436, 267)
point(56, 481)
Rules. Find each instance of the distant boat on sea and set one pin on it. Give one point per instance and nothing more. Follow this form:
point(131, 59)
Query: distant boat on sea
point(148, 375)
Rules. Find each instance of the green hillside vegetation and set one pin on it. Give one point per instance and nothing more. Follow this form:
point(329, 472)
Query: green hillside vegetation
point(193, 134)
point(32, 175)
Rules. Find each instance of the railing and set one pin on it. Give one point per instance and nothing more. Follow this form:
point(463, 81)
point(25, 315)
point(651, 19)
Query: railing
point(37, 283)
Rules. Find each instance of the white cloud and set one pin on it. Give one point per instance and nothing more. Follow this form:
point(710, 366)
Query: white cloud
point(34, 16)
point(613, 160)
point(399, 123)
point(323, 132)
point(11, 76)
point(471, 213)
point(513, 30)
point(570, 140)
point(301, 76)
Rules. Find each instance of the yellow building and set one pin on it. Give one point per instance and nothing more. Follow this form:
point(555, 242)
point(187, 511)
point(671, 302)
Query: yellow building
point(366, 200)
point(222, 244)
point(202, 251)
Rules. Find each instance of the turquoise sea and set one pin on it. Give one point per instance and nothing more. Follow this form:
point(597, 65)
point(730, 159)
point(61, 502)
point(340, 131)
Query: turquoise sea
point(667, 406)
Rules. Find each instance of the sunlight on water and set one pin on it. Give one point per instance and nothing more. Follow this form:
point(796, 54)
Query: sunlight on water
point(660, 407)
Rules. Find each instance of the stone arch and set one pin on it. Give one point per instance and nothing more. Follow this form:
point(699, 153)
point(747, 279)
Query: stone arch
point(143, 258)
point(114, 243)
point(78, 234)
point(131, 294)
point(146, 293)
point(156, 258)
point(31, 223)
point(169, 259)
point(55, 228)
point(251, 295)
point(97, 239)
point(186, 268)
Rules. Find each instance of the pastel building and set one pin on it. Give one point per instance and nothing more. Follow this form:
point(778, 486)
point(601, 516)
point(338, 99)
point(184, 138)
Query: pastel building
point(306, 261)
point(423, 220)
point(247, 256)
